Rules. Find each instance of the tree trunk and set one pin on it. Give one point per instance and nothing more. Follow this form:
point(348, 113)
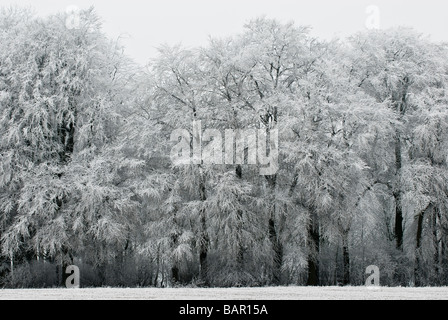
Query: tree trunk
point(336, 262)
point(240, 253)
point(346, 259)
point(436, 246)
point(443, 259)
point(203, 251)
point(67, 135)
point(399, 99)
point(204, 239)
point(12, 268)
point(417, 271)
point(175, 241)
point(271, 122)
point(163, 283)
point(274, 236)
point(278, 252)
point(313, 271)
point(313, 255)
point(156, 279)
point(175, 274)
point(398, 222)
point(401, 106)
point(398, 196)
point(204, 244)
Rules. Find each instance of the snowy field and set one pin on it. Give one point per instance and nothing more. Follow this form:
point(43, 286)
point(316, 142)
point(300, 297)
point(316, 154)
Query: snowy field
point(277, 293)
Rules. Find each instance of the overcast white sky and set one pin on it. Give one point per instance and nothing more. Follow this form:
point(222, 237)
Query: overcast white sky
point(147, 24)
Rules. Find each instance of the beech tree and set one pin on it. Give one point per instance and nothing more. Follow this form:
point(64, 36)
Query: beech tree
point(59, 115)
point(397, 66)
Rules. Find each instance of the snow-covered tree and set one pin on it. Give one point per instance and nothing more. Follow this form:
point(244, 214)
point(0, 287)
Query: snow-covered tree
point(61, 95)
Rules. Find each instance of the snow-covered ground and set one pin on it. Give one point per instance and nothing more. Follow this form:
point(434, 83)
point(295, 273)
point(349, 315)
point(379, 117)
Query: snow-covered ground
point(277, 293)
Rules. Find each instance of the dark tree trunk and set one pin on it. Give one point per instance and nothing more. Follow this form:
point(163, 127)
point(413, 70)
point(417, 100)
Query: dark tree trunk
point(274, 236)
point(313, 255)
point(175, 274)
point(313, 272)
point(175, 268)
point(336, 261)
point(436, 246)
point(66, 257)
point(443, 260)
point(398, 222)
point(203, 250)
point(239, 171)
point(417, 271)
point(67, 134)
point(240, 253)
point(156, 278)
point(204, 240)
point(270, 121)
point(398, 197)
point(278, 252)
point(346, 259)
point(401, 106)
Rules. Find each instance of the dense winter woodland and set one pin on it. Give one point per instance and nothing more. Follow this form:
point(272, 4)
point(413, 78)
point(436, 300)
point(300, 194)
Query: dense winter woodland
point(86, 175)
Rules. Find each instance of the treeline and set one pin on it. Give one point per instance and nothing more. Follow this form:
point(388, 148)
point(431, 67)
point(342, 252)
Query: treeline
point(86, 175)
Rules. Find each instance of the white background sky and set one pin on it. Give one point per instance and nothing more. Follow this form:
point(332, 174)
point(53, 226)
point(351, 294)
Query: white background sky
point(147, 24)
